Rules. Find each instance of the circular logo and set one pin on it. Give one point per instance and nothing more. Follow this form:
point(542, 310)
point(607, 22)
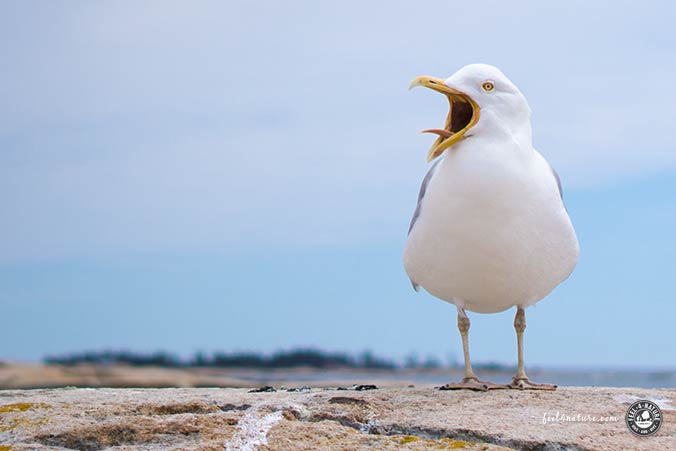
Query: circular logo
point(644, 418)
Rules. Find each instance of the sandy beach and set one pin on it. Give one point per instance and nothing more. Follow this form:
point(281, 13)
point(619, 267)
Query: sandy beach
point(26, 375)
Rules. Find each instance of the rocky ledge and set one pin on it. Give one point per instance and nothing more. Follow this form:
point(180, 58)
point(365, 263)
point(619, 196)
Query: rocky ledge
point(412, 418)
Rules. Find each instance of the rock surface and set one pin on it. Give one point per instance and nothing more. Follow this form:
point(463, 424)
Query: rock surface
point(420, 418)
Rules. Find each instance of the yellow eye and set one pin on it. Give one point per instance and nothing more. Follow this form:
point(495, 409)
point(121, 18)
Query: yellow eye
point(488, 86)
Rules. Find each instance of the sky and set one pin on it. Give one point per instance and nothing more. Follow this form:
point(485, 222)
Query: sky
point(240, 176)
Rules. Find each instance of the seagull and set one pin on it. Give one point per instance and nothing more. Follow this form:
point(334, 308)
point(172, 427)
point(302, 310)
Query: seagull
point(490, 230)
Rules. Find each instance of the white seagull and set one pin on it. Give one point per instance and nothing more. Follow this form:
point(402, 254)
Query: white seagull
point(490, 230)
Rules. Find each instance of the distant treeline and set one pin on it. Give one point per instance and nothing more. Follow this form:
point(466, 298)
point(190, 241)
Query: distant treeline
point(282, 359)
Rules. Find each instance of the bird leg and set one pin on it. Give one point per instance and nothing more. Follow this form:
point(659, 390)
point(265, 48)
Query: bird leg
point(469, 381)
point(520, 380)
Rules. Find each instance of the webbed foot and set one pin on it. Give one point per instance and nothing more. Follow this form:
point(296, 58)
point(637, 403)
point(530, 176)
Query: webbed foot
point(523, 383)
point(472, 383)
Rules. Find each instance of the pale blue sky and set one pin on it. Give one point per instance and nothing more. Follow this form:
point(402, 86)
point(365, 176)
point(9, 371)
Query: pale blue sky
point(240, 175)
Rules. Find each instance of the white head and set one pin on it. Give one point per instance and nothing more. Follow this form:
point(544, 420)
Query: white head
point(482, 99)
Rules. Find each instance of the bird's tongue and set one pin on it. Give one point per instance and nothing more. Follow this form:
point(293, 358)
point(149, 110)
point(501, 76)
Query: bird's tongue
point(439, 131)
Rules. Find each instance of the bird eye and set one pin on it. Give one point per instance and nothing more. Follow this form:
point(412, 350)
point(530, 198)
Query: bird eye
point(488, 86)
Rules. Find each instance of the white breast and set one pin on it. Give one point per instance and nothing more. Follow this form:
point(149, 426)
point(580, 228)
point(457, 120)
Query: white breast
point(492, 231)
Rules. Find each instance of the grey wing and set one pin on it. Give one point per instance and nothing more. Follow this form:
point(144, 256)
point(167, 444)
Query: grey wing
point(418, 207)
point(421, 195)
point(558, 181)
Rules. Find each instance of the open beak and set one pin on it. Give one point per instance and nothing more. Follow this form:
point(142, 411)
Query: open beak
point(463, 114)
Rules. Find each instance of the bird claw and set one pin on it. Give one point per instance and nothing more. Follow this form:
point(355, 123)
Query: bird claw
point(523, 383)
point(472, 383)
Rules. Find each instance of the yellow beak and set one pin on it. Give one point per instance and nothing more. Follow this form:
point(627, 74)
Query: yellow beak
point(463, 114)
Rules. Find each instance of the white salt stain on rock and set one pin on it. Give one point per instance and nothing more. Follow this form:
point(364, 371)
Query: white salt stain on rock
point(252, 431)
point(662, 403)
